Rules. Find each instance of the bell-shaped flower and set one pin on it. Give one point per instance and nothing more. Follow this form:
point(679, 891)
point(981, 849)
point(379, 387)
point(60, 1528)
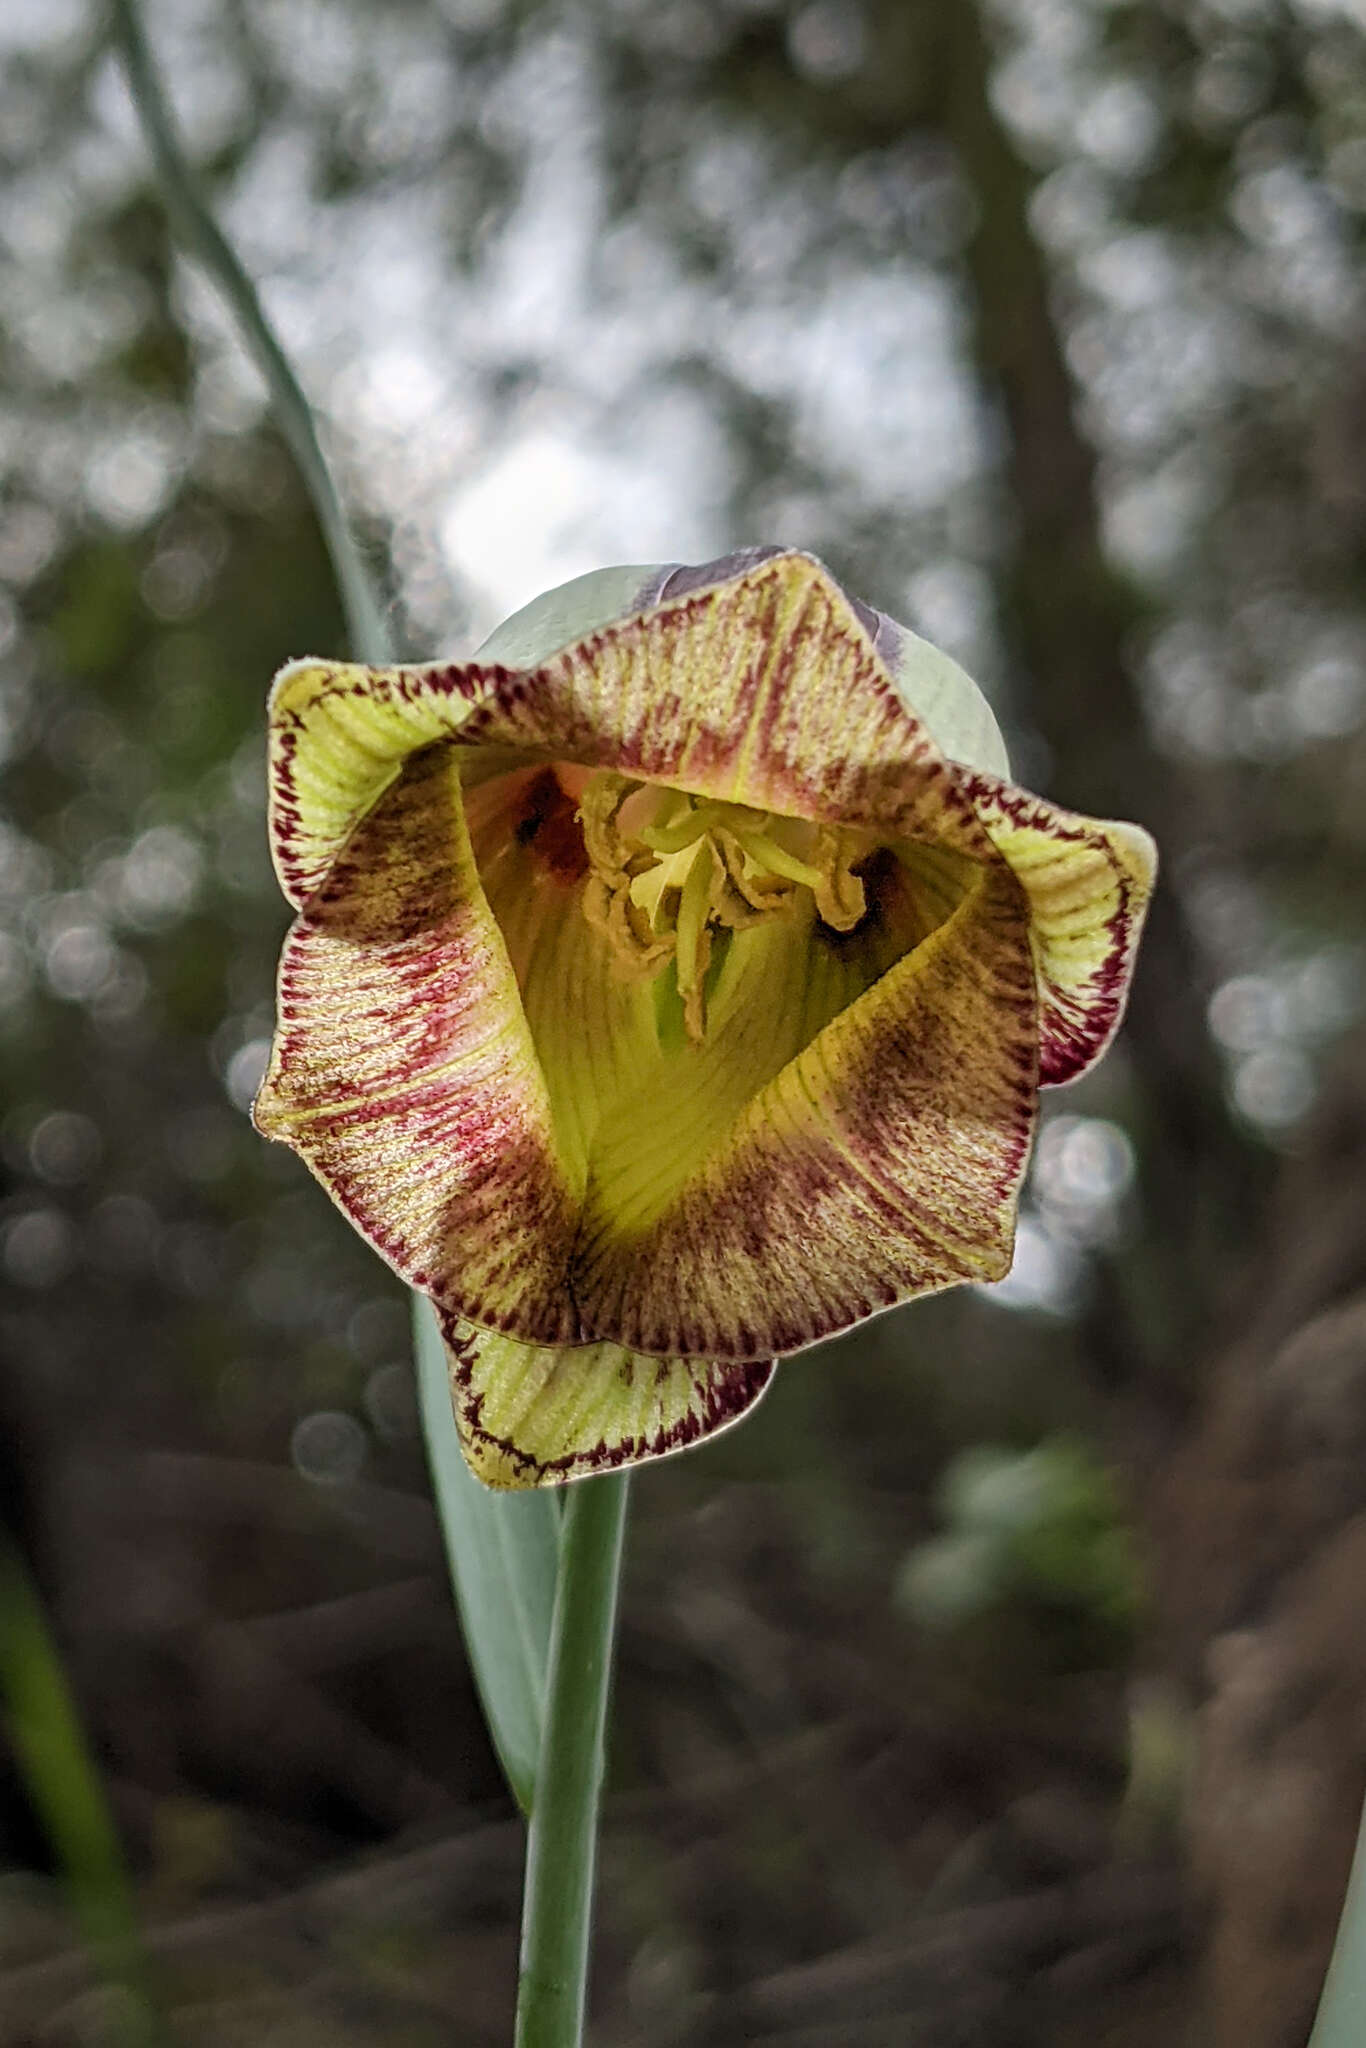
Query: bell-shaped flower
point(672, 987)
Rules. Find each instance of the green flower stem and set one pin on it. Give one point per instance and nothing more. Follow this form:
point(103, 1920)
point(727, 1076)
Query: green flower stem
point(193, 221)
point(557, 1910)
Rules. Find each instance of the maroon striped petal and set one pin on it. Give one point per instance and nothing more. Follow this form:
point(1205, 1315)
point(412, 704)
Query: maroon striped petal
point(535, 1416)
point(1088, 882)
point(881, 1161)
point(404, 1073)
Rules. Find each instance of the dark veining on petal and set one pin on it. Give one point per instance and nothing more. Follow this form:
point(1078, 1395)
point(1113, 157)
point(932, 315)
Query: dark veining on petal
point(723, 1392)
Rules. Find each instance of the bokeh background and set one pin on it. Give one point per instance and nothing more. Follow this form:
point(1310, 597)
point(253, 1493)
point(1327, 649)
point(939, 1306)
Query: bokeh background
point(1003, 1681)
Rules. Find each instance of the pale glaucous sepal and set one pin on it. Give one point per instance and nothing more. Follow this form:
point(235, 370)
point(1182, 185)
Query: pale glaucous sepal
point(943, 696)
point(568, 613)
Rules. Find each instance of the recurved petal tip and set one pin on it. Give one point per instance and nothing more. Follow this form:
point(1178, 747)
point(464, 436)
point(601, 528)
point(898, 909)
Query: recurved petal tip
point(1088, 882)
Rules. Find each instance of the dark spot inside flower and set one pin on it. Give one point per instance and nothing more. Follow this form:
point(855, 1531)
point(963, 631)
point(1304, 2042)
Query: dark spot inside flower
point(883, 889)
point(548, 823)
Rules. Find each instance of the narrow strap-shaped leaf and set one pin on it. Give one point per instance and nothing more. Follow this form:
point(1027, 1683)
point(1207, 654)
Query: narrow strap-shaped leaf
point(504, 1552)
point(1342, 2012)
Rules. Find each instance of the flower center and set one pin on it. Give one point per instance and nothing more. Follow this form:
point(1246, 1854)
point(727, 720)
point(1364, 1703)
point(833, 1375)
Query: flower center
point(671, 874)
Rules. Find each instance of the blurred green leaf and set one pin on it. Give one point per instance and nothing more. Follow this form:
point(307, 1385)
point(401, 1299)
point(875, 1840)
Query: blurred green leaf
point(951, 1579)
point(61, 1780)
point(1045, 1524)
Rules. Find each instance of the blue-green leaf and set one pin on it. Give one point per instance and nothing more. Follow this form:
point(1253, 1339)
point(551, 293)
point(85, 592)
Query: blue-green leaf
point(503, 1550)
point(1342, 2013)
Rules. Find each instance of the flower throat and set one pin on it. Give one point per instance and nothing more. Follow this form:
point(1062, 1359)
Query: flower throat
point(671, 874)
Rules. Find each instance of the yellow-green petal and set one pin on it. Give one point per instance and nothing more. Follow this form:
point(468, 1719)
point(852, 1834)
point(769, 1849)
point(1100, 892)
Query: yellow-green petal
point(940, 694)
point(339, 735)
point(1088, 882)
point(404, 1073)
point(881, 1161)
point(765, 691)
point(538, 1415)
point(639, 1108)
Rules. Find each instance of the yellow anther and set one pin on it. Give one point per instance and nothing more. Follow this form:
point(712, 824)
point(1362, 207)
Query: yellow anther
point(841, 900)
point(604, 841)
point(755, 892)
point(662, 886)
point(636, 948)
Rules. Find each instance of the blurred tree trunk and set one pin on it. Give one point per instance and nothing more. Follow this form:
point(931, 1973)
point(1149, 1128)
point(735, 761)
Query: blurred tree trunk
point(1067, 617)
point(1261, 1525)
point(1259, 1507)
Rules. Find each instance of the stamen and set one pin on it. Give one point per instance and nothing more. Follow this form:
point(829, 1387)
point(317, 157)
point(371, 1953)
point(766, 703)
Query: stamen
point(769, 854)
point(693, 937)
point(754, 895)
point(616, 861)
point(602, 835)
point(668, 888)
point(685, 831)
point(638, 950)
point(841, 899)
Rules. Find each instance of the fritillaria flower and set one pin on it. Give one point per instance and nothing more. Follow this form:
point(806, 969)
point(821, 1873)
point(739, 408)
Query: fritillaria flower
point(672, 987)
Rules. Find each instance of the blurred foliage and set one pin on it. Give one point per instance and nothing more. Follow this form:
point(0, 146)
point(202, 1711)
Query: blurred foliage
point(1043, 1528)
point(49, 1747)
point(1041, 322)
